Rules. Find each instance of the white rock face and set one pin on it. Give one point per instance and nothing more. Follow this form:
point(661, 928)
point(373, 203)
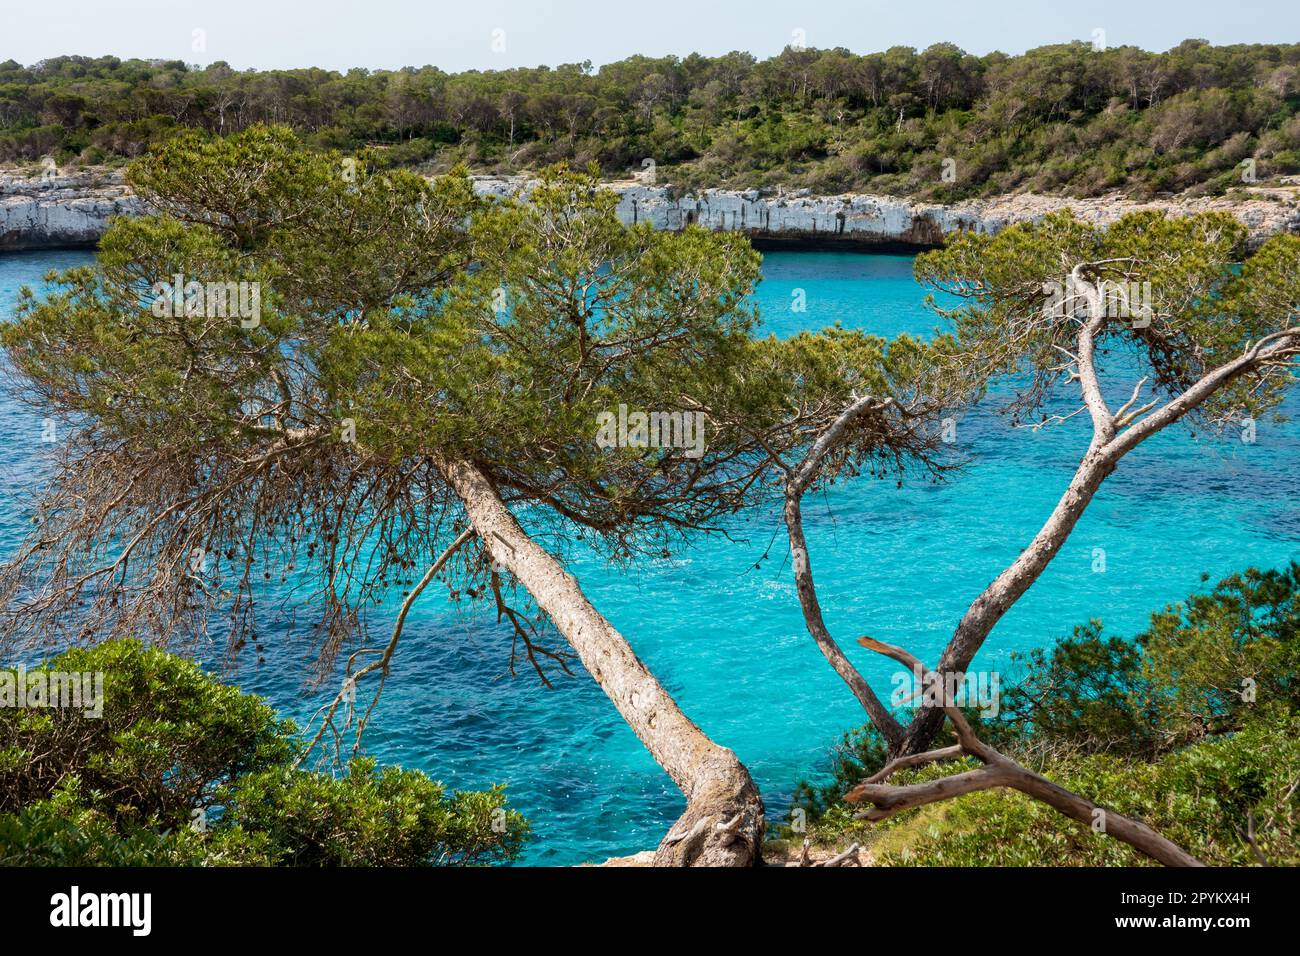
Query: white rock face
point(880, 218)
point(74, 210)
point(869, 220)
point(50, 212)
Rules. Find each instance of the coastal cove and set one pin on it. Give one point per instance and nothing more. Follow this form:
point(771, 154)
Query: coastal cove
point(723, 629)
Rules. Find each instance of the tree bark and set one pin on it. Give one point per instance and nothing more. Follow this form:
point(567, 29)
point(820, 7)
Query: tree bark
point(797, 482)
point(723, 821)
point(1108, 447)
point(1009, 586)
point(884, 721)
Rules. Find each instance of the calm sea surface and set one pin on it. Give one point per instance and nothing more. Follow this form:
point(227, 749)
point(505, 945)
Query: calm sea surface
point(728, 641)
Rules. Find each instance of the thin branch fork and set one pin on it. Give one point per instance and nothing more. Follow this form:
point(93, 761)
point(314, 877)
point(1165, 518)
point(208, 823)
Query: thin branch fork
point(385, 657)
point(829, 439)
point(998, 770)
point(1114, 435)
point(1103, 421)
point(525, 632)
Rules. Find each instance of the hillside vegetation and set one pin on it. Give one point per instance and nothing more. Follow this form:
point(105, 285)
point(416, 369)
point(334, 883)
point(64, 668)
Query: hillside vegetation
point(938, 124)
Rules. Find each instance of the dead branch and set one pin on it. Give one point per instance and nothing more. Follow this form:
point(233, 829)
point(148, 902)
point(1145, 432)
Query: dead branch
point(524, 630)
point(851, 854)
point(386, 655)
point(998, 770)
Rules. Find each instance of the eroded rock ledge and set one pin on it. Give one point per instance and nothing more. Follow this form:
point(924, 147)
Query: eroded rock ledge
point(60, 210)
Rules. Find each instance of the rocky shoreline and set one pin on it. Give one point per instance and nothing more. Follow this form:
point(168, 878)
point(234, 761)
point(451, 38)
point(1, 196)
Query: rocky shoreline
point(58, 210)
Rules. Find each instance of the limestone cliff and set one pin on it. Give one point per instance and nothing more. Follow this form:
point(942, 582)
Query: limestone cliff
point(69, 210)
point(52, 211)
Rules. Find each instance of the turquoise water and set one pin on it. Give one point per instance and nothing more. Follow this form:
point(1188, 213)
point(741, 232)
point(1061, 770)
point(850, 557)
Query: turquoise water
point(728, 641)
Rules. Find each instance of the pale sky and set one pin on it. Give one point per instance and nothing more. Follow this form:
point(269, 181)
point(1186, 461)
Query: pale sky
point(497, 34)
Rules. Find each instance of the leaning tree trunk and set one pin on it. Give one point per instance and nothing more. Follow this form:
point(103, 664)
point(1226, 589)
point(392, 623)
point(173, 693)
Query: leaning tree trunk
point(723, 822)
point(1109, 445)
point(1009, 586)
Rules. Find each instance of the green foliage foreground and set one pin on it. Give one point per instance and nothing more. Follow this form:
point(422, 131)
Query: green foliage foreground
point(181, 770)
point(1193, 726)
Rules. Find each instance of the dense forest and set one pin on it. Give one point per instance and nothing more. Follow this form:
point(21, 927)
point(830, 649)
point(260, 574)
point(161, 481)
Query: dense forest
point(940, 123)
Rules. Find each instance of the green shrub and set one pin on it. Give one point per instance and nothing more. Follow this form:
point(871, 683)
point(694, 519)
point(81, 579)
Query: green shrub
point(1198, 669)
point(1193, 726)
point(388, 817)
point(1203, 798)
point(182, 770)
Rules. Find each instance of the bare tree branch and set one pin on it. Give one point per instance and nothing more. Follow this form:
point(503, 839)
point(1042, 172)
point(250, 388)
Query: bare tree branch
point(796, 484)
point(998, 770)
point(386, 656)
point(1102, 457)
